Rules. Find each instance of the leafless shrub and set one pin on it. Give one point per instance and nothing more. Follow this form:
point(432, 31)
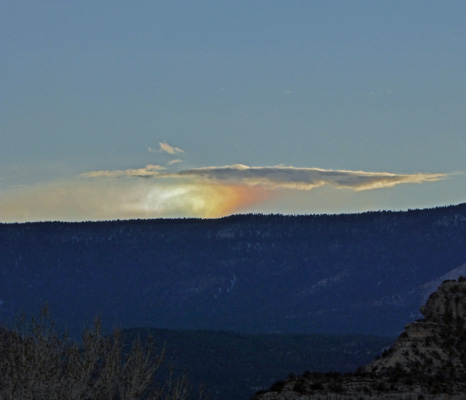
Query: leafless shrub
point(36, 363)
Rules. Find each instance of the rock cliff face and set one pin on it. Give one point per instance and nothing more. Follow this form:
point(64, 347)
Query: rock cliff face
point(427, 361)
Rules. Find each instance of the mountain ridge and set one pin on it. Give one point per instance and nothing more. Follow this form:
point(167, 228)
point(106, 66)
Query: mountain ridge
point(349, 273)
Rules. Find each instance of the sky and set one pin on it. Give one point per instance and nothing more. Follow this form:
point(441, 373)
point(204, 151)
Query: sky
point(148, 109)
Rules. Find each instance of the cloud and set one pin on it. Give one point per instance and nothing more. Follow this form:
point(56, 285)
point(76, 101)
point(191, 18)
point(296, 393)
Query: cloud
point(281, 177)
point(306, 178)
point(165, 147)
point(174, 161)
point(198, 192)
point(148, 171)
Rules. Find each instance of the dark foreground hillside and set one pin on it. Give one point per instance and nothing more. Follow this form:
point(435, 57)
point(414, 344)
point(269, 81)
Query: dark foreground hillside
point(362, 273)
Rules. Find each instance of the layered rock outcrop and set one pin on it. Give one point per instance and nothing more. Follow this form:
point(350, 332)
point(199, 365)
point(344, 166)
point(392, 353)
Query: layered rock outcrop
point(427, 361)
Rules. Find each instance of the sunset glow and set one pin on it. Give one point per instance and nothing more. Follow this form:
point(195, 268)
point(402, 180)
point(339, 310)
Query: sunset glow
point(117, 111)
point(127, 200)
point(154, 191)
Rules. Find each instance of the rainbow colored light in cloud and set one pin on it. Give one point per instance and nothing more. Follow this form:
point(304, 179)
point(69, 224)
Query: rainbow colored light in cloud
point(154, 191)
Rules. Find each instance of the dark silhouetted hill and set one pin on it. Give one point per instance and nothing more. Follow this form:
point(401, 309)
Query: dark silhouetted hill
point(354, 273)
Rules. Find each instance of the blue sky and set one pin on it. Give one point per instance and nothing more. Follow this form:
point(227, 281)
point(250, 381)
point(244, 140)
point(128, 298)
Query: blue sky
point(88, 89)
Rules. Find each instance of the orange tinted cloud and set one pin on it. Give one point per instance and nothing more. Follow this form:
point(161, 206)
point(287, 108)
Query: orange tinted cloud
point(116, 199)
point(221, 200)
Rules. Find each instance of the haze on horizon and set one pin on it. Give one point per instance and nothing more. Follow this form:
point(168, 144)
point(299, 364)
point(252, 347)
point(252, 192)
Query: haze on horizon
point(111, 110)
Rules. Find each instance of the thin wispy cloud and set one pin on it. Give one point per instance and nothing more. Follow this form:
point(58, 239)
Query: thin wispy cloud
point(176, 161)
point(280, 177)
point(165, 147)
point(148, 171)
point(305, 178)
